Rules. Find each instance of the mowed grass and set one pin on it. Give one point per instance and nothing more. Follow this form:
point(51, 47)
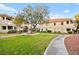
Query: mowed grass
point(5, 34)
point(26, 44)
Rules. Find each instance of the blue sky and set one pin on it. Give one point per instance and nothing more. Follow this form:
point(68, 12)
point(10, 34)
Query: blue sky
point(56, 10)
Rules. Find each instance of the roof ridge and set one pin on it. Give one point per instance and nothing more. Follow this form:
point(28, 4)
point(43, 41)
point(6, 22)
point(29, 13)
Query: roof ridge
point(60, 19)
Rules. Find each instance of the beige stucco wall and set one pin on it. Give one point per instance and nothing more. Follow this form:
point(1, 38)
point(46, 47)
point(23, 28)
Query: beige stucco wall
point(5, 23)
point(58, 27)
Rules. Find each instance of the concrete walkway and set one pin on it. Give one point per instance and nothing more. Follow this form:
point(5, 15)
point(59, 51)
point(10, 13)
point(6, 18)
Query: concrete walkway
point(56, 47)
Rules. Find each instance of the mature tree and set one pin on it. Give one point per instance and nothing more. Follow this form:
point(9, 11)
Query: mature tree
point(77, 17)
point(40, 15)
point(77, 20)
point(19, 19)
point(28, 14)
point(36, 15)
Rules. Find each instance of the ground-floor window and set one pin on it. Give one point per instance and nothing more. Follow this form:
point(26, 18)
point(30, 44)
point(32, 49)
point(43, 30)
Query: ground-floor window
point(14, 27)
point(68, 29)
point(10, 27)
point(4, 27)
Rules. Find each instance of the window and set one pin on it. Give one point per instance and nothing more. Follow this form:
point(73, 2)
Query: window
point(68, 29)
point(14, 27)
point(71, 22)
point(10, 27)
point(4, 27)
point(3, 18)
point(54, 23)
point(67, 22)
point(8, 19)
point(61, 23)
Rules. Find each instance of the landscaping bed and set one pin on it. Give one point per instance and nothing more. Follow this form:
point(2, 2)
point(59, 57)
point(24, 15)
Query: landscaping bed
point(72, 44)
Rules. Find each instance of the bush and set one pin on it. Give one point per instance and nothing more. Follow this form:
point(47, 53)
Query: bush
point(33, 29)
point(74, 31)
point(43, 31)
point(25, 29)
point(70, 32)
point(49, 31)
point(20, 31)
point(12, 31)
point(38, 30)
point(57, 32)
point(77, 31)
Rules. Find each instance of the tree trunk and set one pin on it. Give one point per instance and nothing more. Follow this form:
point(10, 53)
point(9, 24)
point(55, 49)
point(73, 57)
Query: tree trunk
point(29, 29)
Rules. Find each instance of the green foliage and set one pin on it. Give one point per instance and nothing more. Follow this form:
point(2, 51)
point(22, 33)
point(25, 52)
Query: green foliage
point(49, 31)
point(77, 20)
point(19, 20)
point(70, 32)
point(77, 17)
point(12, 31)
point(36, 15)
point(25, 44)
point(25, 29)
point(33, 29)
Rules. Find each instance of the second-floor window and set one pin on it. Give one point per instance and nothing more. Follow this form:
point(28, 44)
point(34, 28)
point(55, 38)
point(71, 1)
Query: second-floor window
point(3, 18)
point(67, 22)
point(54, 23)
point(61, 23)
point(4, 27)
point(10, 27)
point(71, 22)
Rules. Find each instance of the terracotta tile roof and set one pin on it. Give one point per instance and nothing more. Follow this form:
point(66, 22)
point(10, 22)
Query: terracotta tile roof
point(60, 20)
point(8, 16)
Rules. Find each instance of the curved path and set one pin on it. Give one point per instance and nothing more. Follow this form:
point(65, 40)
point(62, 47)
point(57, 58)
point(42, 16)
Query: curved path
point(56, 47)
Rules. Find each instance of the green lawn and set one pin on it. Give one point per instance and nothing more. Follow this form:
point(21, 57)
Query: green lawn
point(25, 44)
point(5, 34)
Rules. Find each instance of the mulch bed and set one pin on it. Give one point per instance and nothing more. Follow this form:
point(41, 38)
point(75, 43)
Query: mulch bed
point(72, 44)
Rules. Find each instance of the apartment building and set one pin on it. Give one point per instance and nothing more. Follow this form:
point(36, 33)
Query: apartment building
point(58, 25)
point(6, 23)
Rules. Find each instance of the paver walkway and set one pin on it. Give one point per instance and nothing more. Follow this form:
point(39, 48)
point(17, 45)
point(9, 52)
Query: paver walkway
point(56, 47)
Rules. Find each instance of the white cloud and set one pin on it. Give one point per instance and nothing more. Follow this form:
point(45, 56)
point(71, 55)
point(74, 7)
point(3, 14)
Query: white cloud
point(66, 11)
point(6, 9)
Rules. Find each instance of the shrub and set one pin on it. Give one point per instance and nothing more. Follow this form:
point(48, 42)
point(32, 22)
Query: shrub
point(49, 31)
point(70, 32)
point(12, 31)
point(33, 29)
point(20, 31)
point(43, 31)
point(38, 30)
point(74, 31)
point(78, 31)
point(57, 32)
point(25, 29)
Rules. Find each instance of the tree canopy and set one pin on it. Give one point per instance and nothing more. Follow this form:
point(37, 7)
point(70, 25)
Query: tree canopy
point(77, 17)
point(36, 15)
point(19, 20)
